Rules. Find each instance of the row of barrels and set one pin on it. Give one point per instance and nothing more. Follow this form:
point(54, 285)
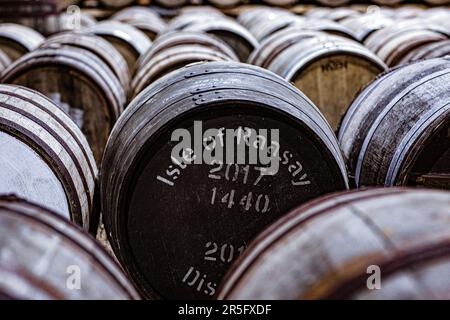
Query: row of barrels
point(176, 228)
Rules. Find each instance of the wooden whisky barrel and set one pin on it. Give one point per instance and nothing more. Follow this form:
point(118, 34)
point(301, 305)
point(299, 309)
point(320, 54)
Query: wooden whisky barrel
point(79, 82)
point(171, 59)
point(232, 33)
point(4, 61)
point(128, 40)
point(172, 243)
point(190, 17)
point(97, 45)
point(56, 166)
point(428, 51)
point(171, 3)
point(335, 247)
point(46, 257)
point(16, 40)
point(178, 38)
point(363, 26)
point(396, 132)
point(330, 70)
point(281, 3)
point(225, 3)
point(333, 3)
point(143, 18)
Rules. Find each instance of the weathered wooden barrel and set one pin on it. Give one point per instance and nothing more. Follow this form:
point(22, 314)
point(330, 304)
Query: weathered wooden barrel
point(79, 82)
point(46, 257)
point(343, 246)
point(97, 45)
point(339, 14)
point(437, 2)
point(128, 40)
point(171, 59)
point(182, 251)
point(235, 35)
point(143, 18)
point(116, 3)
point(4, 61)
point(387, 2)
point(252, 17)
point(330, 70)
point(56, 166)
point(396, 132)
point(16, 40)
point(393, 48)
point(266, 27)
point(184, 20)
point(363, 26)
point(428, 51)
point(178, 38)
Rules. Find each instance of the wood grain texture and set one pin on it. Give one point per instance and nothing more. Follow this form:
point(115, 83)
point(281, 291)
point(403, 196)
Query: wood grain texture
point(397, 128)
point(36, 262)
point(322, 250)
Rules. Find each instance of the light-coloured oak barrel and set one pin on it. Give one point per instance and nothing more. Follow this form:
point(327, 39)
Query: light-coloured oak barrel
point(16, 40)
point(220, 95)
point(396, 132)
point(329, 70)
point(177, 38)
point(56, 166)
point(128, 40)
point(46, 257)
point(343, 246)
point(143, 18)
point(171, 59)
point(97, 45)
point(79, 82)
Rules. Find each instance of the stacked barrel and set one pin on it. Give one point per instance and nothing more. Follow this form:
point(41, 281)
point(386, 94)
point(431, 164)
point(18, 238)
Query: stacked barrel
point(113, 124)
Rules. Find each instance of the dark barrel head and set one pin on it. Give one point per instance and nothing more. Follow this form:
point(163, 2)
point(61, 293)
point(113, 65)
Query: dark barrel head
point(177, 225)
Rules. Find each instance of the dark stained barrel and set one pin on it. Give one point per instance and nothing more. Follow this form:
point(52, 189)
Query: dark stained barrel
point(396, 132)
point(176, 226)
point(79, 82)
point(128, 40)
point(143, 18)
point(330, 70)
point(16, 40)
point(46, 257)
point(97, 45)
point(56, 166)
point(428, 51)
point(334, 248)
point(171, 59)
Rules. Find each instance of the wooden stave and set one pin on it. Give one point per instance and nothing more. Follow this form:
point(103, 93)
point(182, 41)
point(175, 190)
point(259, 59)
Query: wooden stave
point(77, 171)
point(364, 26)
point(414, 76)
point(25, 39)
point(172, 39)
point(344, 282)
point(93, 69)
point(281, 3)
point(225, 3)
point(290, 62)
point(184, 20)
point(134, 41)
point(97, 45)
point(266, 28)
point(171, 3)
point(437, 49)
point(276, 43)
point(81, 245)
point(116, 3)
point(110, 178)
point(222, 27)
point(333, 3)
point(393, 50)
point(157, 66)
